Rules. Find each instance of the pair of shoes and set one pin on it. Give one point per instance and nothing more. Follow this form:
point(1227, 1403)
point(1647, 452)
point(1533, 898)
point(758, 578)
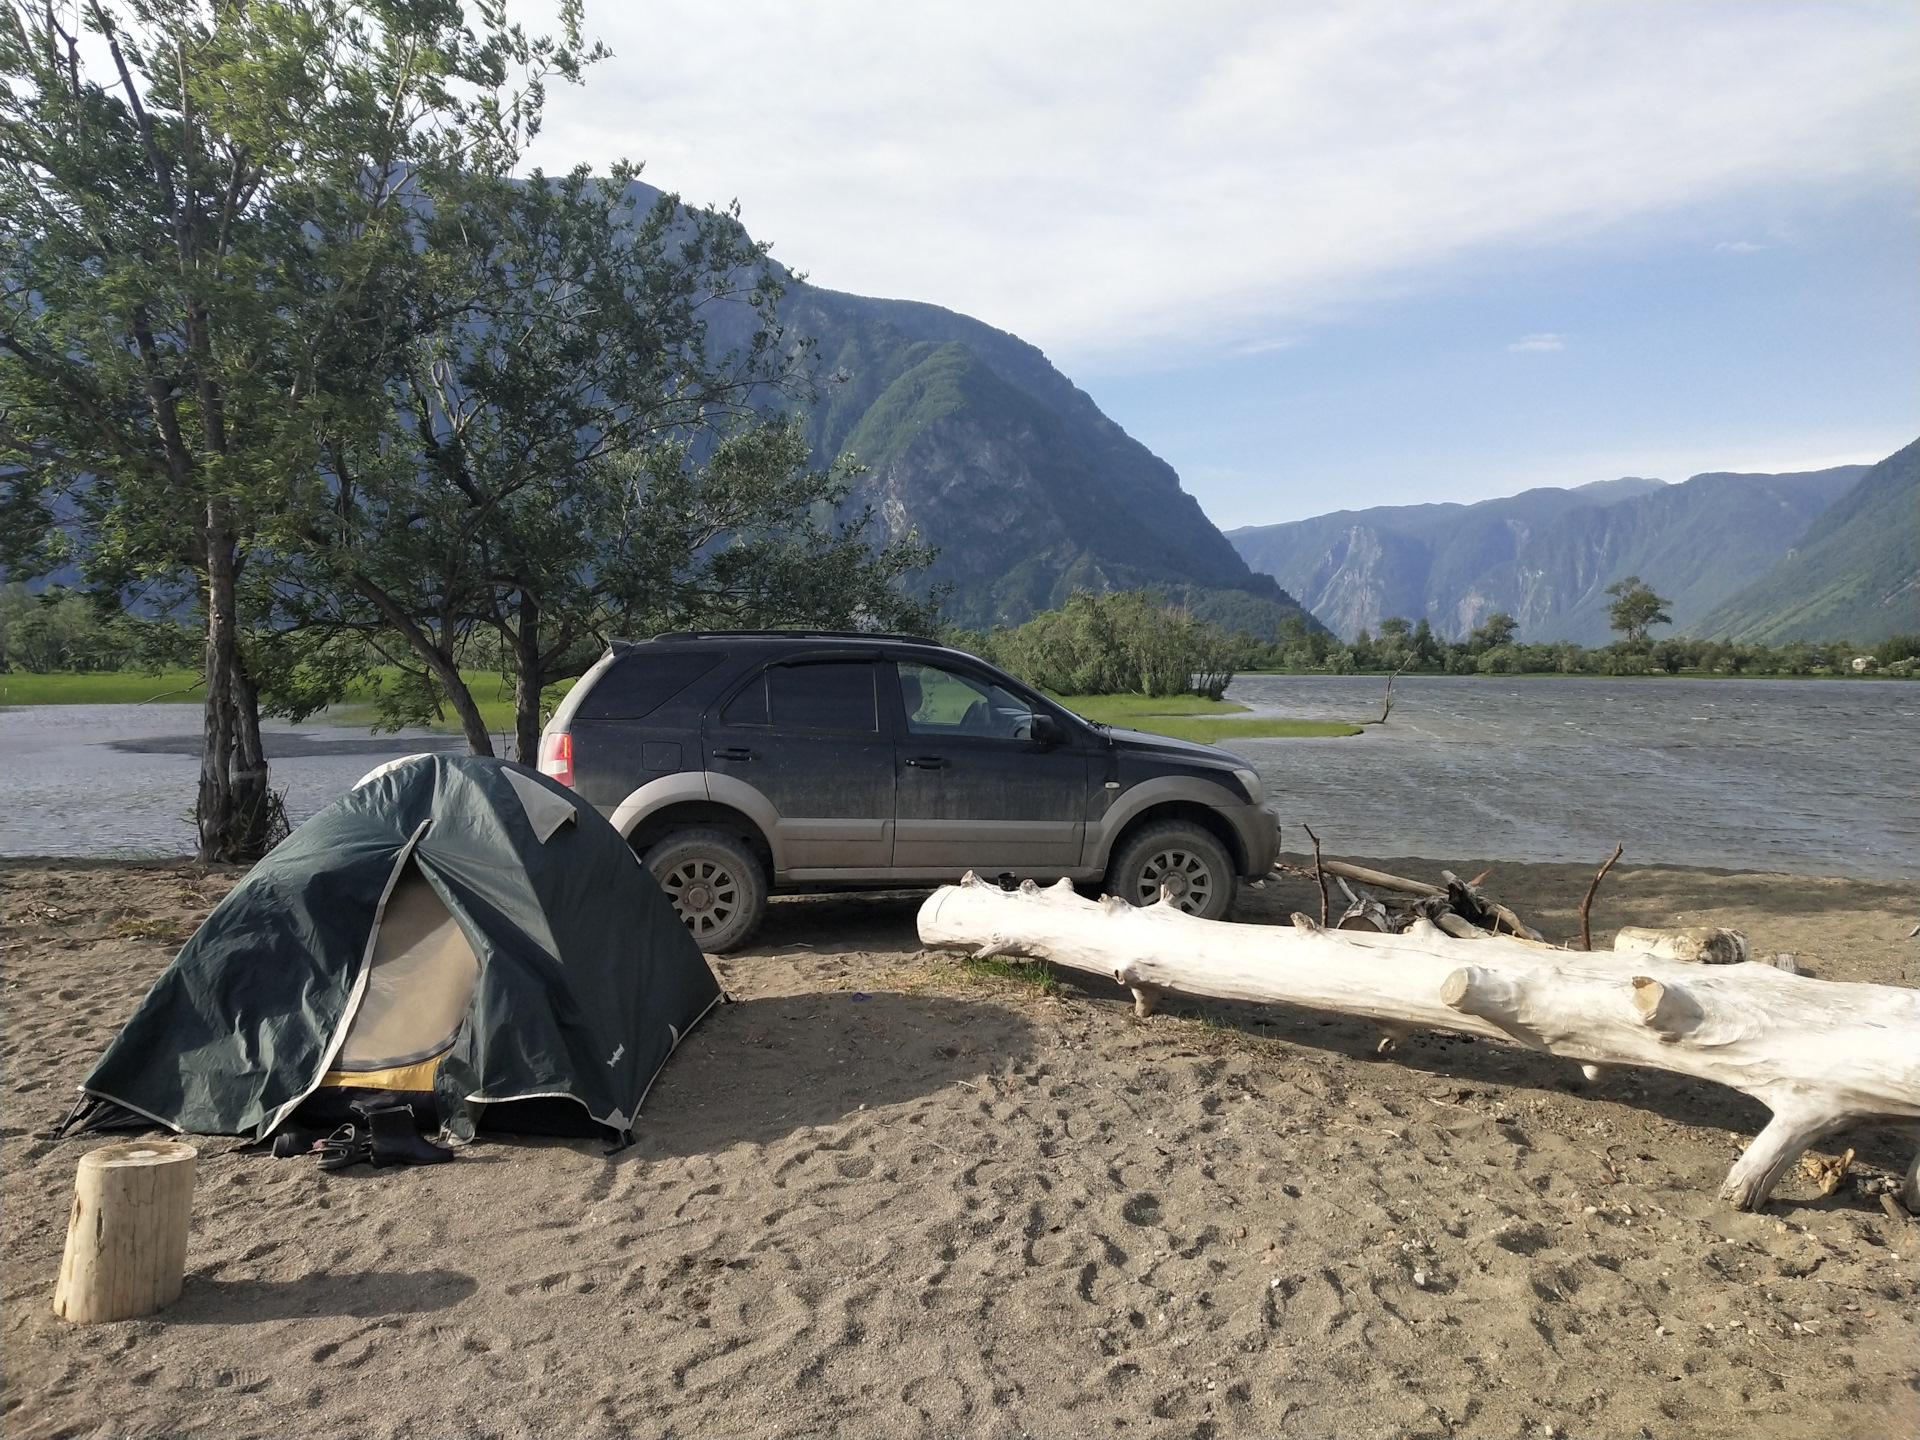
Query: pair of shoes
point(294, 1140)
point(349, 1145)
point(397, 1141)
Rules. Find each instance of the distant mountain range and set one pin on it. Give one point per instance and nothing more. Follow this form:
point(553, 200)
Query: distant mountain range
point(1811, 555)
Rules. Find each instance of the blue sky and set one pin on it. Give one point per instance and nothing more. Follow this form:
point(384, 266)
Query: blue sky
point(1322, 256)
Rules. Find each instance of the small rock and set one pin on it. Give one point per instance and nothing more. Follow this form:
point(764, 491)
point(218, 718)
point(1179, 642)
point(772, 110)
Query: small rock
point(1419, 1279)
point(1274, 1284)
point(1591, 1210)
point(1661, 1329)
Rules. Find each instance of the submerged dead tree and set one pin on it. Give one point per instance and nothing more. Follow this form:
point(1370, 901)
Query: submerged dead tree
point(1821, 1055)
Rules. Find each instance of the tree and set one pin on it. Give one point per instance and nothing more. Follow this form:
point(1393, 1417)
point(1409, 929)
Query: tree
point(1635, 610)
point(200, 253)
point(1498, 629)
point(578, 449)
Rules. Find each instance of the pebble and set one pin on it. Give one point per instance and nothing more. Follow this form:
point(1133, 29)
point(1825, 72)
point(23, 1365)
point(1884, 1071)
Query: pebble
point(1661, 1329)
point(1419, 1279)
point(1273, 1284)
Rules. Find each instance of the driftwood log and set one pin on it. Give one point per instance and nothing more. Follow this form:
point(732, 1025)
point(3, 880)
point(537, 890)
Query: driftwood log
point(1821, 1055)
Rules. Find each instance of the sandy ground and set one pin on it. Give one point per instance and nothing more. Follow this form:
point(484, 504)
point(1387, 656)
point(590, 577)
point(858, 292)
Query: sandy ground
point(888, 1194)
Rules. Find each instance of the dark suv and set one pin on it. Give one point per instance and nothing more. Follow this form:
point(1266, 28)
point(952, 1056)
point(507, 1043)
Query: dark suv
point(737, 763)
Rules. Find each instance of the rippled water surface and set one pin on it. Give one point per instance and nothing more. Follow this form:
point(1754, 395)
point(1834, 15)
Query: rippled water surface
point(1809, 777)
point(120, 779)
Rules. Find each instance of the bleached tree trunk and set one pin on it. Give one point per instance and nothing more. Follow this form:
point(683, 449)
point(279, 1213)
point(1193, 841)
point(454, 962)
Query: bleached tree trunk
point(1822, 1055)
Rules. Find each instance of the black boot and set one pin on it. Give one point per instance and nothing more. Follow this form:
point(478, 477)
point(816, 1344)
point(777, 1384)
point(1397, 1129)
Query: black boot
point(397, 1142)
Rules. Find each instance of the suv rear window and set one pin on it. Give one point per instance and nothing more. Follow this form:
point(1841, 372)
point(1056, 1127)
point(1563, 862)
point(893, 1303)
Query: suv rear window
point(637, 685)
point(830, 695)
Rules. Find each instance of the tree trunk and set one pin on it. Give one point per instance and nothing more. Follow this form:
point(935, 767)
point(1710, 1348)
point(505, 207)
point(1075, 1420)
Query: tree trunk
point(527, 679)
point(213, 811)
point(1822, 1055)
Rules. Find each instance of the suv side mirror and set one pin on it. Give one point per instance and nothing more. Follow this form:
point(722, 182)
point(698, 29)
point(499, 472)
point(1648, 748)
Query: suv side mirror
point(1046, 730)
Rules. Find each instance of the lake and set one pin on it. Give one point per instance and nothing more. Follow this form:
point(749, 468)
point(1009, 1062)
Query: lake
point(1808, 777)
point(1812, 777)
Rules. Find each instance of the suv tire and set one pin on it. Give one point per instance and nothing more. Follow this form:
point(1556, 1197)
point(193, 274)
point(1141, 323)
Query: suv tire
point(716, 886)
point(1183, 857)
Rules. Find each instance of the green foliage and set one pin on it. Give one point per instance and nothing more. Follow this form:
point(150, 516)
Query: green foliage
point(1116, 643)
point(1636, 609)
point(202, 270)
point(65, 631)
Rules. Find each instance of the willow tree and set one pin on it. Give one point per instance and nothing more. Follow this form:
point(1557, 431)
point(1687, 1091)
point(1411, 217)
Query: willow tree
point(209, 220)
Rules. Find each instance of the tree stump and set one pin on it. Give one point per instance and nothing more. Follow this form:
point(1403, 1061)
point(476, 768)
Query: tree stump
point(127, 1235)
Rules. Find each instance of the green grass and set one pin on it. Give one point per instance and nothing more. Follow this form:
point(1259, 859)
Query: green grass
point(1218, 732)
point(1194, 717)
point(1035, 975)
point(109, 687)
point(132, 687)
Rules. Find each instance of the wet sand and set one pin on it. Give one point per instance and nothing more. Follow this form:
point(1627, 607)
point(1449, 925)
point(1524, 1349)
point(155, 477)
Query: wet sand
point(887, 1194)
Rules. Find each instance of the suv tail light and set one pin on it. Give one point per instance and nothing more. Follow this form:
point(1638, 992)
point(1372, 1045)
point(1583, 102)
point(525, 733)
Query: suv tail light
point(556, 757)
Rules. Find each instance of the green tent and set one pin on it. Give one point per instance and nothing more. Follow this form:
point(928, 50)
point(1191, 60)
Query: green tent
point(456, 928)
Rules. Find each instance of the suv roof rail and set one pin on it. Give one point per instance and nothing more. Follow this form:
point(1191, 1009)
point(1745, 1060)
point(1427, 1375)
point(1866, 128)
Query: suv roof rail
point(676, 635)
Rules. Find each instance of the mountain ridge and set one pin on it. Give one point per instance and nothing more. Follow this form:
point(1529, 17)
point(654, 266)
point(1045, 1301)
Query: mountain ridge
point(1546, 555)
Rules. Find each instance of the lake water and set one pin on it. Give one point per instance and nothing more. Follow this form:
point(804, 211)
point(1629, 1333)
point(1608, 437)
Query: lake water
point(1808, 777)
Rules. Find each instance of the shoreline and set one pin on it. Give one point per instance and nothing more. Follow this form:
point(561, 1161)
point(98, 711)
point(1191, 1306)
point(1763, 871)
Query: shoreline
point(886, 1192)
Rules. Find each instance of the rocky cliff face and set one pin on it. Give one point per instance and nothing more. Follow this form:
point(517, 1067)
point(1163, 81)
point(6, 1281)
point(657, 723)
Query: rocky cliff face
point(1546, 556)
point(971, 438)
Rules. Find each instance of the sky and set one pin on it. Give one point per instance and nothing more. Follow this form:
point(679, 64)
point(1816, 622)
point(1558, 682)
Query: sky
point(1323, 256)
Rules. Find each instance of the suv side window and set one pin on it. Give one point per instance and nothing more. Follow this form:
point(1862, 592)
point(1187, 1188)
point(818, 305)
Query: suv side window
point(944, 703)
point(831, 695)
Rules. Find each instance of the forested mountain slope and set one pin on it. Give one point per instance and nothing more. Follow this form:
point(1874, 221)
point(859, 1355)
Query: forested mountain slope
point(1853, 574)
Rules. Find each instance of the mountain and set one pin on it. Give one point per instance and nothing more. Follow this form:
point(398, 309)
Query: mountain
point(1853, 574)
point(1545, 556)
point(971, 437)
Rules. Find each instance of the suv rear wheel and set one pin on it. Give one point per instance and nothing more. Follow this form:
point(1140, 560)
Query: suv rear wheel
point(715, 884)
point(1189, 862)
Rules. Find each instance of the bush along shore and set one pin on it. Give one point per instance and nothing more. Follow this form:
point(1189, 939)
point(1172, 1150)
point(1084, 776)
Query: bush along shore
point(1492, 650)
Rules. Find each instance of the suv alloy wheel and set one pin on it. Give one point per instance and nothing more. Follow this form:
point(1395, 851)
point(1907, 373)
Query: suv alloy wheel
point(715, 884)
point(1187, 860)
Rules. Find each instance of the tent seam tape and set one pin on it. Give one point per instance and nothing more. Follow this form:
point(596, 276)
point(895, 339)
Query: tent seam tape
point(359, 983)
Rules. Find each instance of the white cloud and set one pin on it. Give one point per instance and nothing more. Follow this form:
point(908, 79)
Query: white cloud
point(1154, 176)
point(1539, 343)
point(1739, 247)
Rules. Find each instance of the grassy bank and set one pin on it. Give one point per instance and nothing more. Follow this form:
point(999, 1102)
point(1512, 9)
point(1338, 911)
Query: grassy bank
point(493, 694)
point(101, 687)
point(1193, 717)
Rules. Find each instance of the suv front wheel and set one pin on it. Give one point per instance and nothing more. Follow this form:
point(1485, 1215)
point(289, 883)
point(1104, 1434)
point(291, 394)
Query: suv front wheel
point(1188, 861)
point(715, 884)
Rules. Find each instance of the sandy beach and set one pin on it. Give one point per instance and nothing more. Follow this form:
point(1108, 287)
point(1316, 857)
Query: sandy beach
point(885, 1193)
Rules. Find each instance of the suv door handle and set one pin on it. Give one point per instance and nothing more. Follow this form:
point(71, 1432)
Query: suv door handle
point(733, 752)
point(930, 762)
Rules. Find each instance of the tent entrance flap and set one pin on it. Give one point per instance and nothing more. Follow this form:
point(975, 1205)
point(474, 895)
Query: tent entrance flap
point(418, 990)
